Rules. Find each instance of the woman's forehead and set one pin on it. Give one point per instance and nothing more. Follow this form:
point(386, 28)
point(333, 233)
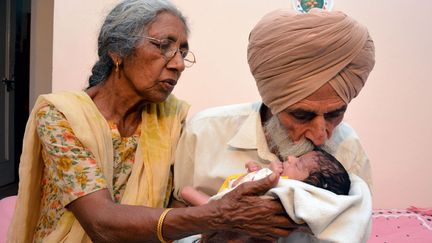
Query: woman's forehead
point(167, 25)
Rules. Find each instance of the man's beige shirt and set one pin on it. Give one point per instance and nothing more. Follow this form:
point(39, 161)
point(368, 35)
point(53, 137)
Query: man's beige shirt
point(219, 141)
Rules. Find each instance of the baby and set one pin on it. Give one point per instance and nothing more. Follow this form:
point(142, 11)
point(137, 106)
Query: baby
point(317, 168)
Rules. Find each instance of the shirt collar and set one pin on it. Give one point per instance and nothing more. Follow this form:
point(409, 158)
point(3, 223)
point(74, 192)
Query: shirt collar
point(251, 136)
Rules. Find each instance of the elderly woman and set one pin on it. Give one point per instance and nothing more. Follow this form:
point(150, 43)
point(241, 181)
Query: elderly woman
point(96, 164)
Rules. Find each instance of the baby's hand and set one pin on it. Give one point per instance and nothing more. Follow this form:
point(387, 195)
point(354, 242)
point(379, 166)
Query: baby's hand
point(252, 166)
point(276, 167)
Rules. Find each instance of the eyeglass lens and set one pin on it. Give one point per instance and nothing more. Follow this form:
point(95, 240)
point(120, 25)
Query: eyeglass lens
point(168, 49)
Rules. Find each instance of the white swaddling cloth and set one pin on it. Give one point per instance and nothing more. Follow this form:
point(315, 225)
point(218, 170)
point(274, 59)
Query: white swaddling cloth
point(331, 217)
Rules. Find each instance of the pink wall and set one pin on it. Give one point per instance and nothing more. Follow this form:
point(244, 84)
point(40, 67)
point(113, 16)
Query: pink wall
point(392, 114)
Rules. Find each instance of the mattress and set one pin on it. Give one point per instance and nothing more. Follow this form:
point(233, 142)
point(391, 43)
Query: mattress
point(397, 226)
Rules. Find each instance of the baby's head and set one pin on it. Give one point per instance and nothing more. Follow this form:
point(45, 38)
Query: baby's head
point(320, 169)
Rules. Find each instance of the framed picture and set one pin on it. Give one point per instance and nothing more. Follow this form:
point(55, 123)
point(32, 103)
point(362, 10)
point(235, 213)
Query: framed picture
point(304, 6)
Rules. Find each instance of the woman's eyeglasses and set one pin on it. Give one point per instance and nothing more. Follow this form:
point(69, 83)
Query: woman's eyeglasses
point(169, 49)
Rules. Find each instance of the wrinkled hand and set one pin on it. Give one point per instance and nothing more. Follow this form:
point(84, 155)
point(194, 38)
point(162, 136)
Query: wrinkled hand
point(243, 210)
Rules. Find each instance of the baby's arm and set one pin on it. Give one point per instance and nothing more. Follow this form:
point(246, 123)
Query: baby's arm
point(193, 196)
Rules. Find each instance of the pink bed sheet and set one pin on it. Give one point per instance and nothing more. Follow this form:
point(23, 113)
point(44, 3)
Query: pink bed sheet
point(413, 225)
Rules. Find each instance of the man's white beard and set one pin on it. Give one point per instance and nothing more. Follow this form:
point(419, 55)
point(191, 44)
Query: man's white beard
point(280, 143)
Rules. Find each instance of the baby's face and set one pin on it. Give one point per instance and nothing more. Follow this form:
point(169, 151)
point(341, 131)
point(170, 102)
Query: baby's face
point(299, 168)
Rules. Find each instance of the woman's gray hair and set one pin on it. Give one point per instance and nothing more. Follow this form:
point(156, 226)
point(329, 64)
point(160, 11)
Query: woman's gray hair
point(123, 28)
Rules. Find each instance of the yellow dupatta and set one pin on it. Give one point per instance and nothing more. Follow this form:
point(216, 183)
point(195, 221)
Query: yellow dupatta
point(160, 130)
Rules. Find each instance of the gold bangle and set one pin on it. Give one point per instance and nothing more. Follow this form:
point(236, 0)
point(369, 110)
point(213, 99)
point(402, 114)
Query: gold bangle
point(160, 224)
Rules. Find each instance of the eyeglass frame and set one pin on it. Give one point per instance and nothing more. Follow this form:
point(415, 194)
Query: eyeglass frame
point(188, 63)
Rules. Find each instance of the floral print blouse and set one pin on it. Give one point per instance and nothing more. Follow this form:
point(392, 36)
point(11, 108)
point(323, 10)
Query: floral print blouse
point(71, 170)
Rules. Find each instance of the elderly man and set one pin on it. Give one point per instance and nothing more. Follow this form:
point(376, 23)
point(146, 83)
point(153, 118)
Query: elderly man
point(307, 67)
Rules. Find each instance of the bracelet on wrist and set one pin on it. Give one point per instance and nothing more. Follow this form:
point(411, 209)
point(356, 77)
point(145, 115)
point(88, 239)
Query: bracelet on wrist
point(160, 225)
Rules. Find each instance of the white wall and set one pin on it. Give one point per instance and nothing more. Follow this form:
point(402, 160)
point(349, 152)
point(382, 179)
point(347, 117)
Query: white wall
point(392, 114)
point(41, 43)
point(76, 26)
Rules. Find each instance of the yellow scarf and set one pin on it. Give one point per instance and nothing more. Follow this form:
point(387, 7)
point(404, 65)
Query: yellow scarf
point(160, 130)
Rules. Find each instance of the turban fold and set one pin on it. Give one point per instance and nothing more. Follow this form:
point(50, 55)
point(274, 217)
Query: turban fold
point(291, 55)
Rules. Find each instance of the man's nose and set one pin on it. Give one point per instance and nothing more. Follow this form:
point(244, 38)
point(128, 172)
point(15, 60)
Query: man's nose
point(317, 132)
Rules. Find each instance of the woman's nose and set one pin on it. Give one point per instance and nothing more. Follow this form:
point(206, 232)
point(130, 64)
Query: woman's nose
point(177, 62)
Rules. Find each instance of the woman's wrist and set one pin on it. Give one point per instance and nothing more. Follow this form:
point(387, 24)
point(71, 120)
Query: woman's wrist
point(193, 220)
point(160, 224)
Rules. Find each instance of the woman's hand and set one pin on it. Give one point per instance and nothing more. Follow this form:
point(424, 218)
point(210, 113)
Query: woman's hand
point(243, 210)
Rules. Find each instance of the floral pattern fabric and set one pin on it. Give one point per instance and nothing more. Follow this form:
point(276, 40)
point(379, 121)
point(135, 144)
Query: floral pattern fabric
point(71, 170)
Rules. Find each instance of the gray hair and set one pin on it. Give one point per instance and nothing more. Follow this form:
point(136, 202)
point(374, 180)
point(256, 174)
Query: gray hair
point(123, 28)
point(282, 145)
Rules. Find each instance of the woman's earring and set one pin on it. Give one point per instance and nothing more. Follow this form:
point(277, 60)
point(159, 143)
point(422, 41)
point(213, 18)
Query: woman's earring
point(117, 69)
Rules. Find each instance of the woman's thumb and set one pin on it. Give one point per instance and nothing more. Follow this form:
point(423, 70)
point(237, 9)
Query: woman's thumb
point(261, 186)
